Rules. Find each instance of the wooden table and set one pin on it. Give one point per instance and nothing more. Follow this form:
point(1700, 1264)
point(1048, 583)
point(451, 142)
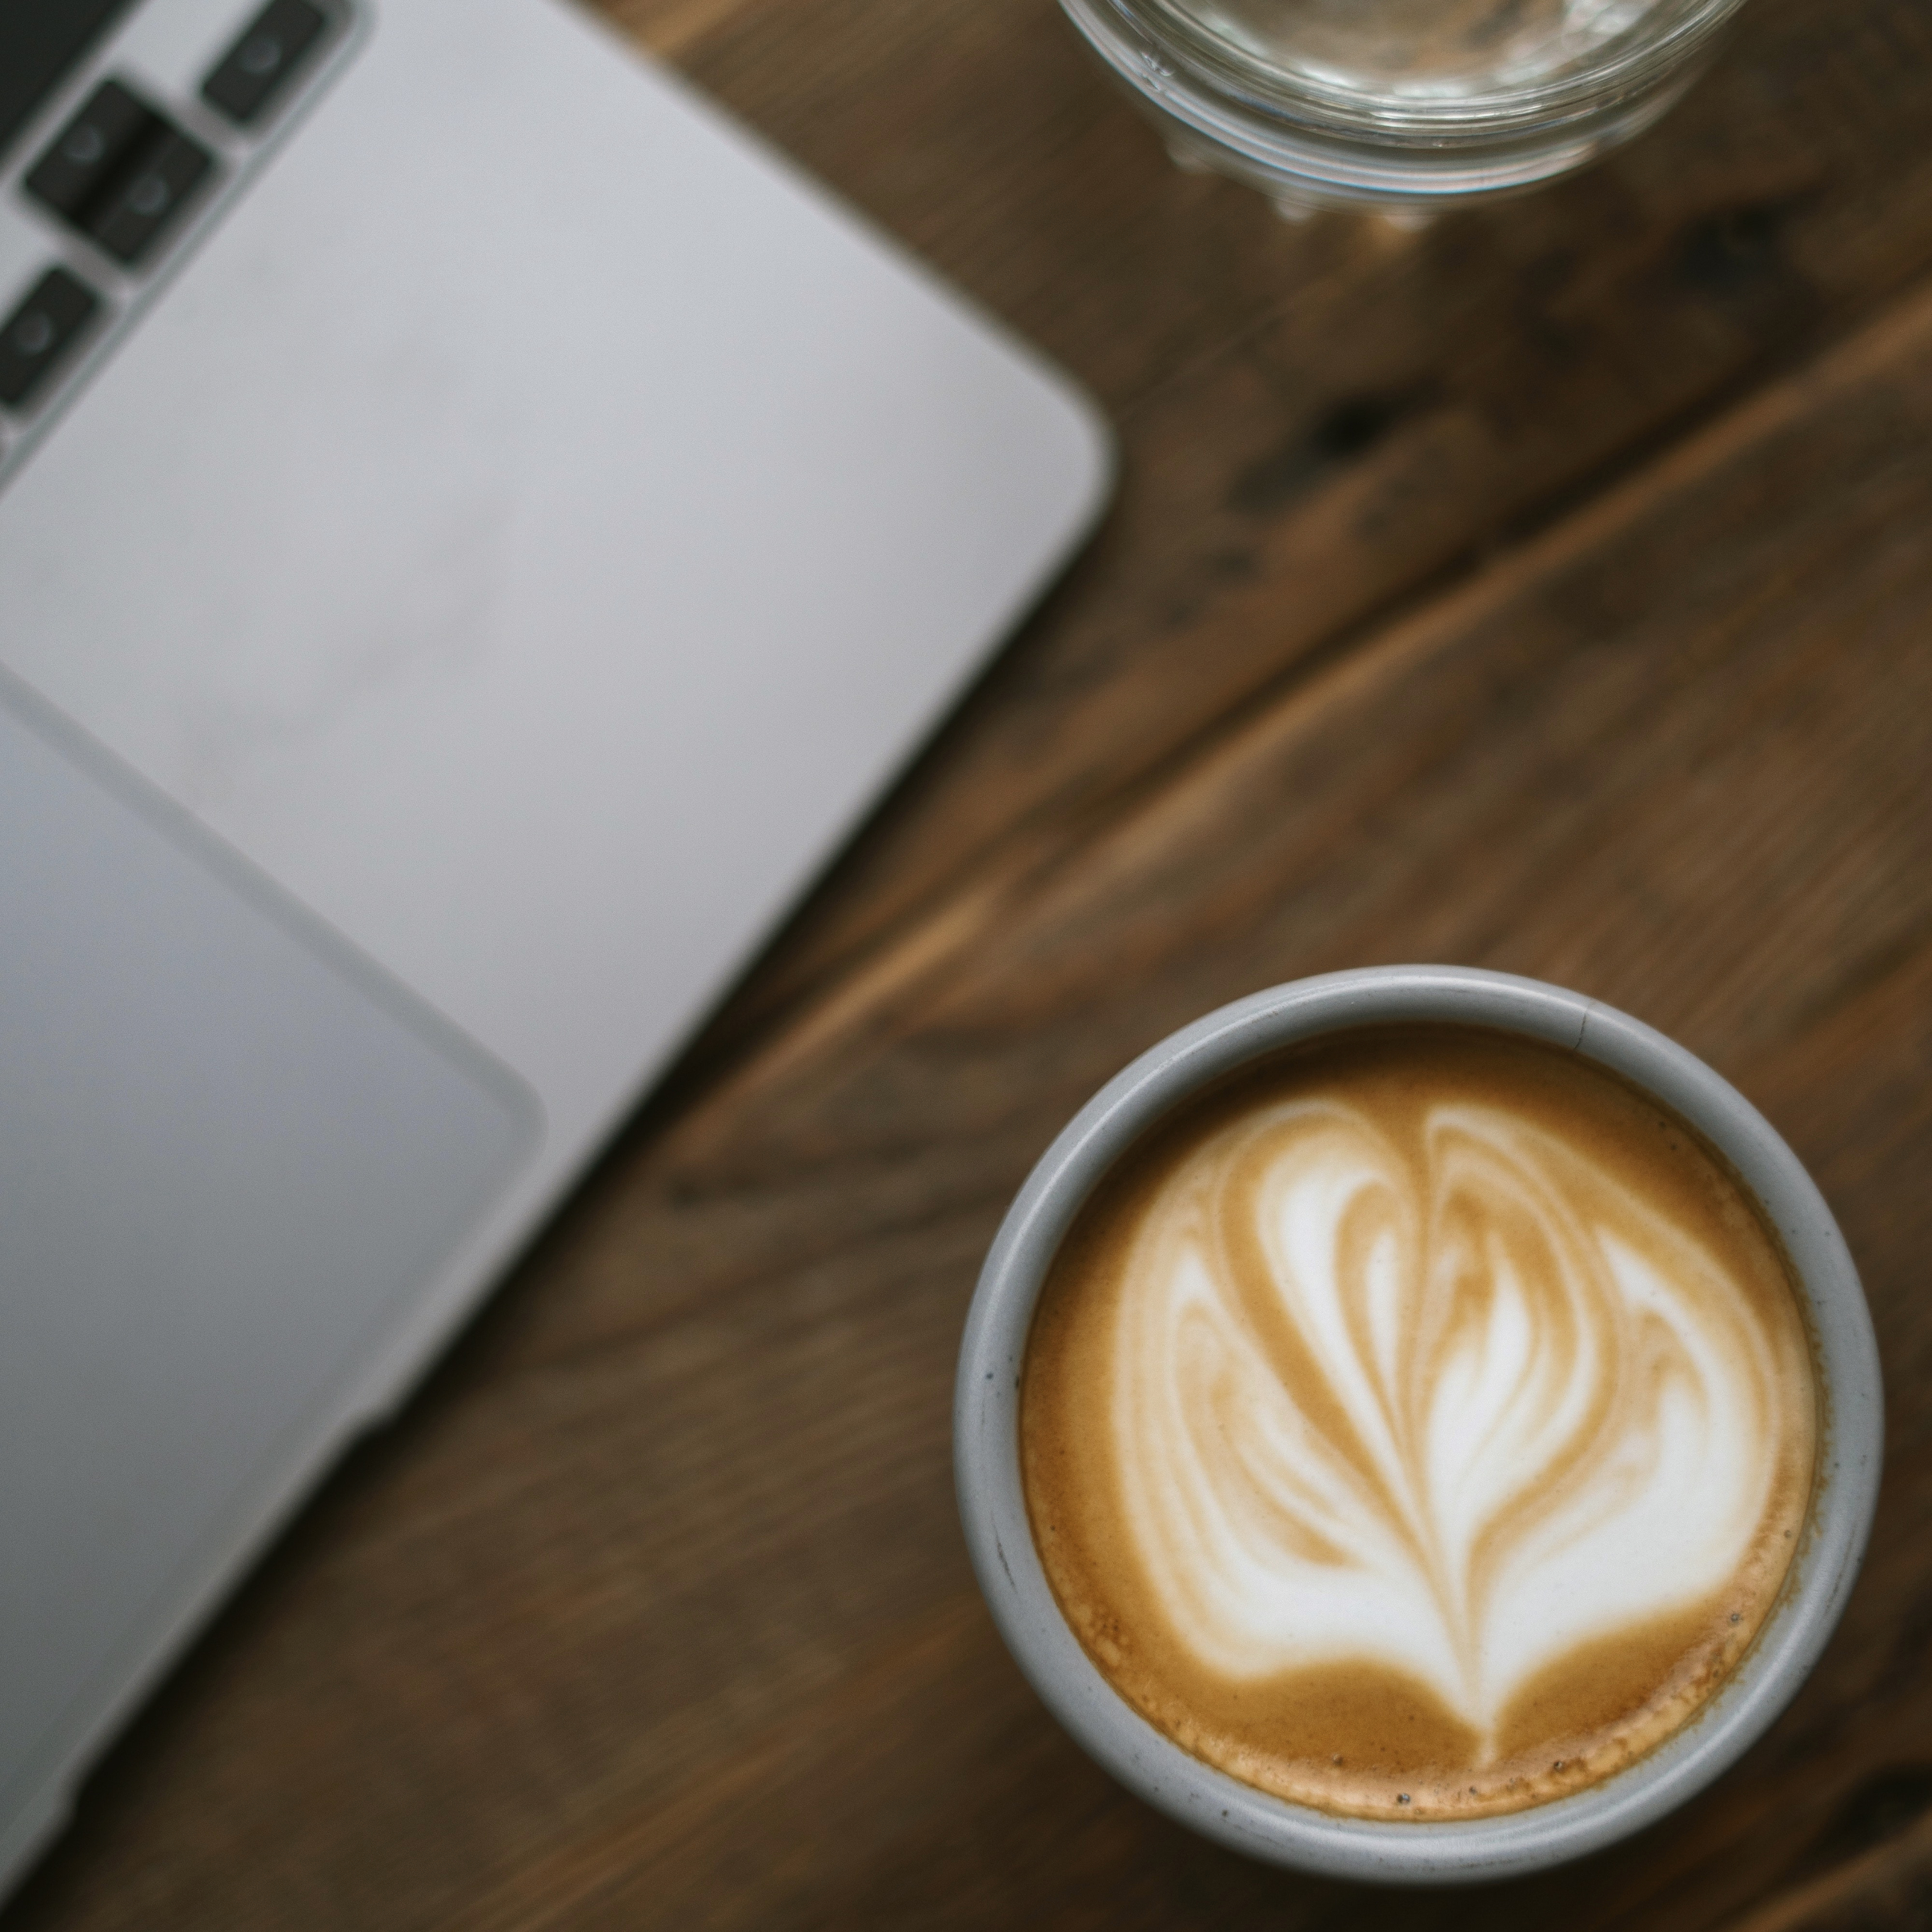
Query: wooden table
point(1551, 590)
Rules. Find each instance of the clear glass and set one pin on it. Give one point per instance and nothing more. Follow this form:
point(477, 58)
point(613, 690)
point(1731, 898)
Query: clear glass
point(1402, 105)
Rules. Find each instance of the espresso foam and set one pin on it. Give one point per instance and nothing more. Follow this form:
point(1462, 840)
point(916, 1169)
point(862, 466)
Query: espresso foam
point(1420, 1426)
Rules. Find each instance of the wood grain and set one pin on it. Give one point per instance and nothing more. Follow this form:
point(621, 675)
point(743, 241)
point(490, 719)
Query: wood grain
point(1319, 422)
point(1550, 591)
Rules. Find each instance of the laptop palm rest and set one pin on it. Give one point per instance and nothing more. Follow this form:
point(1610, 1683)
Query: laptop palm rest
point(227, 1157)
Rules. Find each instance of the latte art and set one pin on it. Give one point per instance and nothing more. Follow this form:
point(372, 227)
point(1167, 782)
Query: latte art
point(1461, 1413)
point(1426, 1401)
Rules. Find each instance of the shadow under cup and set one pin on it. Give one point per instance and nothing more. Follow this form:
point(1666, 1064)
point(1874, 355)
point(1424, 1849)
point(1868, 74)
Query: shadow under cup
point(993, 1504)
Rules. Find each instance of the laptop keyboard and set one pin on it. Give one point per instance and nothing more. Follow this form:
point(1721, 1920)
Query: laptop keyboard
point(120, 175)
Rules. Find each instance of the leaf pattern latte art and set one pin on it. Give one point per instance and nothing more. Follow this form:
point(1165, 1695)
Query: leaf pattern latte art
point(1457, 1406)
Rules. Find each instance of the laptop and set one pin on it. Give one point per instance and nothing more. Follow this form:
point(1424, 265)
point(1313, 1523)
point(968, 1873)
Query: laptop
point(477, 531)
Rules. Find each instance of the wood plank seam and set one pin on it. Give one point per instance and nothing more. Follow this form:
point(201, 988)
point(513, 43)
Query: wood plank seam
point(1890, 1885)
point(1015, 867)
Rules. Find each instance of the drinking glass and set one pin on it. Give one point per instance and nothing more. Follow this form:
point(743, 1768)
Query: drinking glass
point(1403, 106)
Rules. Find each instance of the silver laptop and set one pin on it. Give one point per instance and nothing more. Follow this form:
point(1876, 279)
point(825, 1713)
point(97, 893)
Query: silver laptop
point(477, 531)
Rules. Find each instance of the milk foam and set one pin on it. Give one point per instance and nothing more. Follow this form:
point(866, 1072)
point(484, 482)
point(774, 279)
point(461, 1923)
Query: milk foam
point(1455, 1402)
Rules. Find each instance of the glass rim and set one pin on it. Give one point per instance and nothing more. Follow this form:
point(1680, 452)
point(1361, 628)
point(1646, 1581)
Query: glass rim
point(1169, 41)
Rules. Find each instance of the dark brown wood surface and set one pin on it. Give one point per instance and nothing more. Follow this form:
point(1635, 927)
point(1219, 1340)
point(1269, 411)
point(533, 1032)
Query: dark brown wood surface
point(1549, 589)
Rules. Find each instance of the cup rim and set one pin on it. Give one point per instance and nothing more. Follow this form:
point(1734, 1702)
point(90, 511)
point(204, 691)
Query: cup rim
point(992, 1501)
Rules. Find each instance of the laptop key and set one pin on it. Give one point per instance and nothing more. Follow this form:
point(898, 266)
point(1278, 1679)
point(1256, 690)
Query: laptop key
point(147, 198)
point(35, 339)
point(87, 152)
point(255, 69)
point(118, 172)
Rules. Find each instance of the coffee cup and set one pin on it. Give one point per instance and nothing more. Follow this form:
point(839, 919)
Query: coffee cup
point(1593, 1390)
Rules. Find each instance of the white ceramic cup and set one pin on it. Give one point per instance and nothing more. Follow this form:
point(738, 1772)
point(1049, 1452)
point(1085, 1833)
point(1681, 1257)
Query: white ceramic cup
point(992, 1499)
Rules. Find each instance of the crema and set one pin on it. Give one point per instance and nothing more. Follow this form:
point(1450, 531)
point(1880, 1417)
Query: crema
point(1420, 1425)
